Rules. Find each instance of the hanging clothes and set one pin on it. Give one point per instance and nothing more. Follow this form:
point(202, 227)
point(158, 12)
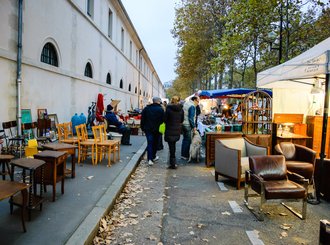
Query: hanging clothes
point(99, 108)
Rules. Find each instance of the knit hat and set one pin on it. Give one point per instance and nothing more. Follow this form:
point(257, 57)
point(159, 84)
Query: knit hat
point(109, 108)
point(156, 100)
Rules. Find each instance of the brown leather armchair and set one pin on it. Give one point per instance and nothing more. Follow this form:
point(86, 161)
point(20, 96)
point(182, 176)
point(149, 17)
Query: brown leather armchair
point(269, 179)
point(299, 159)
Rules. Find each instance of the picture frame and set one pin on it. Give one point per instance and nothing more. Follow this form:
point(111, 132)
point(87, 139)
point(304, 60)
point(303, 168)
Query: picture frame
point(26, 115)
point(53, 121)
point(42, 113)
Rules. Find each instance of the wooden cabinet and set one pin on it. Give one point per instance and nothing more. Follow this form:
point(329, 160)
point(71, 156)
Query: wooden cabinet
point(210, 144)
point(257, 113)
point(314, 130)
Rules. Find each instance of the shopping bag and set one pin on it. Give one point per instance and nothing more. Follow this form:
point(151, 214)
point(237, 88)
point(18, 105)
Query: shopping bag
point(162, 128)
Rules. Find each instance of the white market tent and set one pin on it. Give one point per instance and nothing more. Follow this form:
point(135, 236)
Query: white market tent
point(293, 81)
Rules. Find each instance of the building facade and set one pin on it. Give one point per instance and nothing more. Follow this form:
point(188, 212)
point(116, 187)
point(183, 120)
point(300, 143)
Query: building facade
point(72, 50)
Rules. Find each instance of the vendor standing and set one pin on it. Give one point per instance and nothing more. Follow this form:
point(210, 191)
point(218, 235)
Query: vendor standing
point(113, 120)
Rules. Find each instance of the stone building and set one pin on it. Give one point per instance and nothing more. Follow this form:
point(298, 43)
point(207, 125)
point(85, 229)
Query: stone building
point(72, 50)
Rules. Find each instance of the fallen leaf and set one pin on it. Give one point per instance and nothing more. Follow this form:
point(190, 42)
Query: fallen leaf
point(90, 177)
point(225, 213)
point(152, 238)
point(205, 240)
point(200, 225)
point(133, 215)
point(284, 234)
point(283, 214)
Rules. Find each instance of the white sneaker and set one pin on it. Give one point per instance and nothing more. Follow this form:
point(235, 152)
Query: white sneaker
point(156, 159)
point(150, 163)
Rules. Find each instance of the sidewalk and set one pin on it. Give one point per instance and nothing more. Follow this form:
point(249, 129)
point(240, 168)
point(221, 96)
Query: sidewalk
point(75, 213)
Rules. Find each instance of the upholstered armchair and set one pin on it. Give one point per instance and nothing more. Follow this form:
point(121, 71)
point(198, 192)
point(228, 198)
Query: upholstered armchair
point(269, 179)
point(232, 157)
point(299, 159)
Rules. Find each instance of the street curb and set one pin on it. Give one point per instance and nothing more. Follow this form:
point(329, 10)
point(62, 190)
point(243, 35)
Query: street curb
point(86, 231)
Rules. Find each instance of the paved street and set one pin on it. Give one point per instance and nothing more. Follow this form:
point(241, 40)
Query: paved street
point(186, 206)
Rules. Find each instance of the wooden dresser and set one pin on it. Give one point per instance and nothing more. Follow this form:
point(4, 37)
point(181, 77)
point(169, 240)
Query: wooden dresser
point(210, 144)
point(314, 130)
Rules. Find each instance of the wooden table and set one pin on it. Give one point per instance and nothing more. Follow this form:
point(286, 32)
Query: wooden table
point(31, 165)
point(54, 169)
point(68, 148)
point(294, 138)
point(9, 189)
point(4, 161)
point(210, 144)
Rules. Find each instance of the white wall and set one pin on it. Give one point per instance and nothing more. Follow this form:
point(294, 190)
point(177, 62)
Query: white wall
point(78, 39)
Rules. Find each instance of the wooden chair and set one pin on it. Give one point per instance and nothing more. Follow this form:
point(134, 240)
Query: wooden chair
point(85, 146)
point(65, 134)
point(105, 146)
point(14, 142)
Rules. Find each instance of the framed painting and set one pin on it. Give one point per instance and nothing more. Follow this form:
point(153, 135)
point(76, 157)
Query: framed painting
point(26, 116)
point(53, 121)
point(42, 113)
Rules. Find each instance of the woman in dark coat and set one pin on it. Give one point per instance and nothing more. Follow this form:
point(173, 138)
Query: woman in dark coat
point(173, 121)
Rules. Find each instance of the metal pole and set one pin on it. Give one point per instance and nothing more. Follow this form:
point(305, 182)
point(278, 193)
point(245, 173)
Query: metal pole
point(19, 66)
point(324, 132)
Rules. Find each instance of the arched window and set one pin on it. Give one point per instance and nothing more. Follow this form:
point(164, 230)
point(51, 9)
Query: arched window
point(144, 93)
point(136, 90)
point(140, 92)
point(88, 70)
point(121, 85)
point(108, 78)
point(129, 87)
point(49, 55)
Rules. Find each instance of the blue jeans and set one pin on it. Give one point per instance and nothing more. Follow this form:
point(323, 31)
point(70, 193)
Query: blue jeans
point(186, 141)
point(153, 141)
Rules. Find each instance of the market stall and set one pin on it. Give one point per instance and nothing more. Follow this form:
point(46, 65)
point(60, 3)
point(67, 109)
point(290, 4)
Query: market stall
point(222, 109)
point(301, 85)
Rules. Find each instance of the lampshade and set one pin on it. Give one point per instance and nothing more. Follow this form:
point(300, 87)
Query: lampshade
point(317, 87)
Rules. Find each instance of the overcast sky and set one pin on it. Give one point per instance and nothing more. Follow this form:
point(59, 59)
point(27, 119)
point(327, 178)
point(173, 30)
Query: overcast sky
point(153, 21)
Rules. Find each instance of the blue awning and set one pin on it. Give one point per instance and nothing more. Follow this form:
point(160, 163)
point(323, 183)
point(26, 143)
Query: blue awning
point(230, 92)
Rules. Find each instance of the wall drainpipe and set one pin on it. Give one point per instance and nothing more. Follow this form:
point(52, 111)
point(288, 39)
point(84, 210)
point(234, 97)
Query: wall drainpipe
point(19, 66)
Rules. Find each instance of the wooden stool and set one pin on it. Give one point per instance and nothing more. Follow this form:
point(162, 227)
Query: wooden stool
point(4, 160)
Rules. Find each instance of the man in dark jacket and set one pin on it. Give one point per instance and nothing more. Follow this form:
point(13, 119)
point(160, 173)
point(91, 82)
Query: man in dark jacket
point(112, 119)
point(173, 120)
point(152, 117)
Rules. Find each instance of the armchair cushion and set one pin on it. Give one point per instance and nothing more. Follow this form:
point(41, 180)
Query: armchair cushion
point(273, 168)
point(299, 159)
point(232, 157)
point(235, 143)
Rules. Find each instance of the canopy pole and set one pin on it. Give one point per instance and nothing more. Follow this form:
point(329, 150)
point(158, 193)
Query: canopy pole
point(19, 66)
point(324, 133)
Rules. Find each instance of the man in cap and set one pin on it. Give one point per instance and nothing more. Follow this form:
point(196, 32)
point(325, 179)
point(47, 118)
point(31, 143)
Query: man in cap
point(113, 120)
point(152, 117)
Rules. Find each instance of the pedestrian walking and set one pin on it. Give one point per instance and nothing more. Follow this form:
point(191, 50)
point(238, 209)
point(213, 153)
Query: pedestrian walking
point(151, 118)
point(173, 121)
point(188, 125)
